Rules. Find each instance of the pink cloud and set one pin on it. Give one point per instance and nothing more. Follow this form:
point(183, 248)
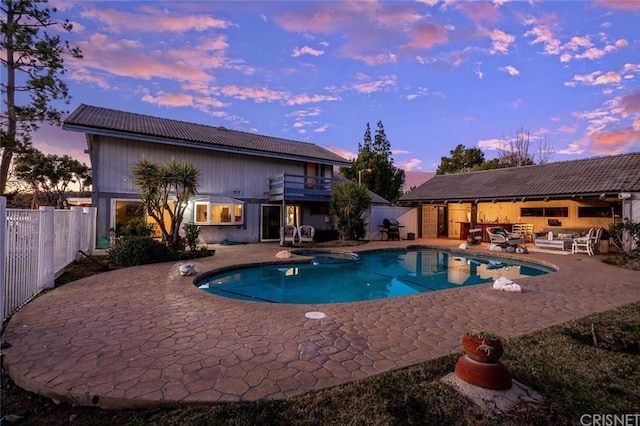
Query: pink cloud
point(204, 102)
point(306, 50)
point(374, 86)
point(596, 78)
point(259, 94)
point(480, 11)
point(126, 58)
point(131, 58)
point(342, 152)
point(576, 147)
point(83, 75)
point(591, 53)
point(410, 164)
point(511, 70)
point(303, 99)
point(567, 129)
point(426, 36)
point(331, 16)
point(169, 99)
point(578, 42)
point(608, 78)
point(619, 4)
point(375, 59)
point(630, 104)
point(324, 21)
point(371, 30)
point(501, 41)
point(615, 142)
point(544, 35)
point(154, 20)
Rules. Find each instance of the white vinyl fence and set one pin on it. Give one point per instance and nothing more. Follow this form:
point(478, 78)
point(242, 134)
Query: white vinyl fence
point(36, 246)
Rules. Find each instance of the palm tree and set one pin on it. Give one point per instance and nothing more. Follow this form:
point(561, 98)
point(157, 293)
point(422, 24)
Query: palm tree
point(349, 201)
point(156, 183)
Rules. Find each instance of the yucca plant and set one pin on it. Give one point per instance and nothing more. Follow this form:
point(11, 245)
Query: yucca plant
point(156, 184)
point(349, 202)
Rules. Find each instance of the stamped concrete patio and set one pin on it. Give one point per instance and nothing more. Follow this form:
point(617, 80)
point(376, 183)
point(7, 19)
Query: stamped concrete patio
point(146, 336)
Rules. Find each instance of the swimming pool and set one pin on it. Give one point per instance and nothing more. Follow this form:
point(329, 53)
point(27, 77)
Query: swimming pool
point(365, 276)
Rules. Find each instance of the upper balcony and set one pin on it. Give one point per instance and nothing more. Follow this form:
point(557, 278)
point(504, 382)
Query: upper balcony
point(290, 187)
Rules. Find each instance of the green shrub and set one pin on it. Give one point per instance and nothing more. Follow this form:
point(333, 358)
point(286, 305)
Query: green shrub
point(191, 235)
point(615, 260)
point(135, 228)
point(133, 251)
point(627, 229)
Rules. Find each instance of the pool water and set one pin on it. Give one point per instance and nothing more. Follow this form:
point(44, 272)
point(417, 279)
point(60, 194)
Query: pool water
point(367, 276)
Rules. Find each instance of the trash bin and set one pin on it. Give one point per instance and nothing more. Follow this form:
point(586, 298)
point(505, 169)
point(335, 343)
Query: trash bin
point(411, 236)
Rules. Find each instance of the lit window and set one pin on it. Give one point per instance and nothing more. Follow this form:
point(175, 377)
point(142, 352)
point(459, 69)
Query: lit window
point(219, 213)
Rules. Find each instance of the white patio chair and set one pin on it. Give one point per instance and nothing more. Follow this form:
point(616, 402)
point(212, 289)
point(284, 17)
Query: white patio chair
point(584, 244)
point(595, 240)
point(305, 233)
point(288, 234)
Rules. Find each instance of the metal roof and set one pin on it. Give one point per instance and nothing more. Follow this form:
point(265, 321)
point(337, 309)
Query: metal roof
point(587, 177)
point(105, 121)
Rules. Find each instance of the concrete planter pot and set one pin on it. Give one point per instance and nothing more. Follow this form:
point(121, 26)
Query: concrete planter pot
point(485, 375)
point(482, 349)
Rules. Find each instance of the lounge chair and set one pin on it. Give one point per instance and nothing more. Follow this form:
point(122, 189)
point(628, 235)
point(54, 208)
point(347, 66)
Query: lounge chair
point(305, 233)
point(288, 234)
point(584, 244)
point(498, 235)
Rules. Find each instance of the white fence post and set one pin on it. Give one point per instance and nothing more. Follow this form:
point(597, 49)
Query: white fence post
point(90, 226)
point(45, 251)
point(75, 233)
point(3, 237)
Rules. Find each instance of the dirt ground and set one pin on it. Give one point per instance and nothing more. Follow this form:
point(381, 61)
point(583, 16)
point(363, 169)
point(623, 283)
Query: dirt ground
point(27, 408)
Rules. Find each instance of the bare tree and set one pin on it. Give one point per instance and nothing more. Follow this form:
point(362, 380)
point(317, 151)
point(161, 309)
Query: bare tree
point(544, 152)
point(515, 152)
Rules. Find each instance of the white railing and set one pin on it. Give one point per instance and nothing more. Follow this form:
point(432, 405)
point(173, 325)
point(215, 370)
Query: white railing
point(36, 246)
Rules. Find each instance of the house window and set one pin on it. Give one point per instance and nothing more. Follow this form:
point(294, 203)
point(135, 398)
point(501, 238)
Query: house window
point(214, 213)
point(544, 212)
point(600, 211)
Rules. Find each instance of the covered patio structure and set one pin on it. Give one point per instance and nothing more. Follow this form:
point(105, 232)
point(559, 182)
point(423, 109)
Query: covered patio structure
point(562, 197)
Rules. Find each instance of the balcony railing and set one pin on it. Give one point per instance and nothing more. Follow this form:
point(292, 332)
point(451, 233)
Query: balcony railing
point(300, 187)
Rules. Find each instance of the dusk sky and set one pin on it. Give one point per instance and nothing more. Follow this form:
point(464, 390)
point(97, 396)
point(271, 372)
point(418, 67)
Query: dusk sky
point(437, 74)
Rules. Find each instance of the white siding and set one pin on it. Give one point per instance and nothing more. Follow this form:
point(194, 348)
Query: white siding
point(223, 174)
point(228, 174)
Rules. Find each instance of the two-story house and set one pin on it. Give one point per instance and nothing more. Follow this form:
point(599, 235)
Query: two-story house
point(250, 185)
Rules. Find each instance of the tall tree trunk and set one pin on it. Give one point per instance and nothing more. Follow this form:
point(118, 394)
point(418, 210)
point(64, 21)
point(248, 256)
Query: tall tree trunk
point(9, 142)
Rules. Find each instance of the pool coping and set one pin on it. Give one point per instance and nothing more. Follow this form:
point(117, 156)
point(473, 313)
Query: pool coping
point(147, 337)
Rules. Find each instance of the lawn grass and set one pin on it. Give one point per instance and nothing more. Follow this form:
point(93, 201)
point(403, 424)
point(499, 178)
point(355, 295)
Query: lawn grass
point(560, 363)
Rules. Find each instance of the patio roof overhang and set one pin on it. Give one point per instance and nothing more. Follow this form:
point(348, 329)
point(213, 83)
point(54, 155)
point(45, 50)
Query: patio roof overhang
point(518, 198)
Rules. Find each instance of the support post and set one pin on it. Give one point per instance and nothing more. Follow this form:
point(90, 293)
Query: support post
point(46, 247)
point(3, 226)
